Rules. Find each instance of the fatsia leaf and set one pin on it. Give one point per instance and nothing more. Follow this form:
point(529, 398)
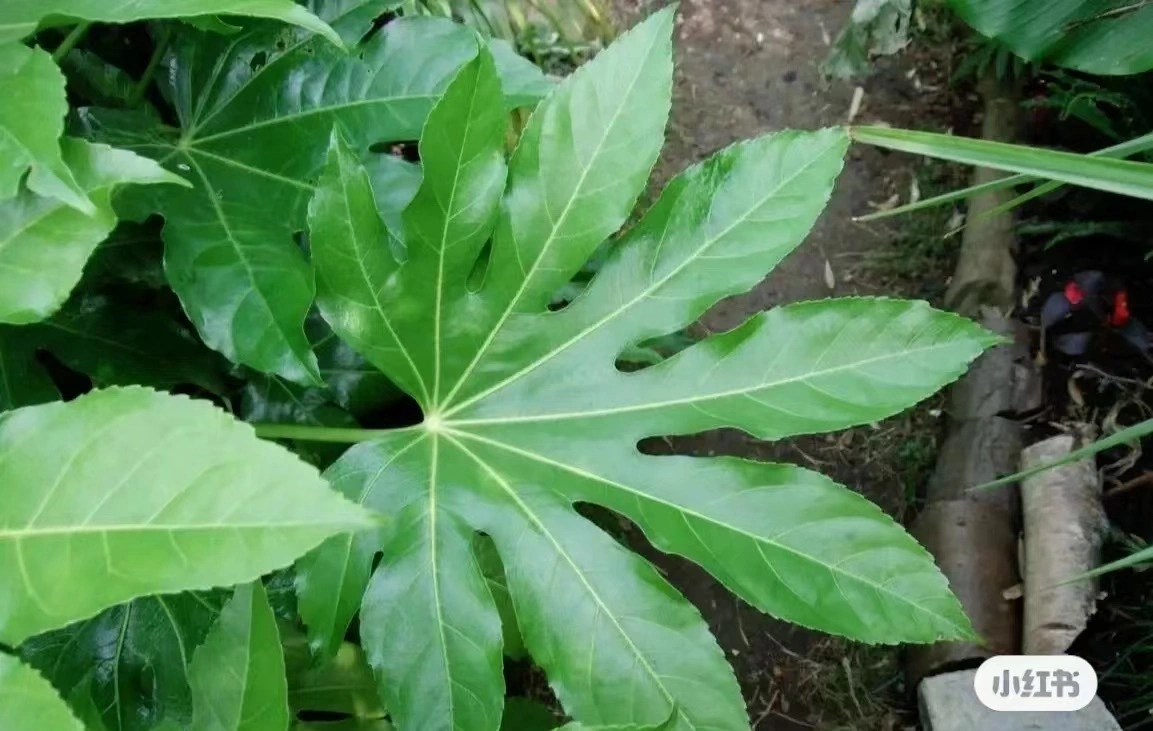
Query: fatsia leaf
point(490, 565)
point(526, 413)
point(1096, 36)
point(20, 18)
point(119, 345)
point(132, 254)
point(96, 80)
point(44, 243)
point(130, 662)
point(237, 675)
point(31, 122)
point(127, 492)
point(256, 110)
point(28, 701)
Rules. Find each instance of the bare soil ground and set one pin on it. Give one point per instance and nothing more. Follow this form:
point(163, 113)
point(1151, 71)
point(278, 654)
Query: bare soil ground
point(747, 67)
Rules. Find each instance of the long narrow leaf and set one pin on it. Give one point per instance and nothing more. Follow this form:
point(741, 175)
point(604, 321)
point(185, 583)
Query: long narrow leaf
point(1142, 556)
point(1115, 176)
point(1125, 436)
point(1125, 149)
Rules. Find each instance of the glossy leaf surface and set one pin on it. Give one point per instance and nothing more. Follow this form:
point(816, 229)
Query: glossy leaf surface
point(526, 413)
point(256, 110)
point(28, 701)
point(1096, 36)
point(237, 675)
point(130, 662)
point(20, 18)
point(128, 492)
point(31, 122)
point(44, 243)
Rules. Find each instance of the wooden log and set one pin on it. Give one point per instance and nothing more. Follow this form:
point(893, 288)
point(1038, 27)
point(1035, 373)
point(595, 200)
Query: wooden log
point(1065, 526)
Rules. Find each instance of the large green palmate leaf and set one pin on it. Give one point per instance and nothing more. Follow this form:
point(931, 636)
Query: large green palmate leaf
point(255, 113)
point(237, 675)
point(31, 122)
point(44, 243)
point(128, 492)
point(28, 701)
point(1097, 36)
point(129, 662)
point(19, 18)
point(526, 414)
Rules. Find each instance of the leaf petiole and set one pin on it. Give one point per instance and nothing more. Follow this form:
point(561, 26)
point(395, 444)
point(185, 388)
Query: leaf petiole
point(74, 36)
point(141, 87)
point(321, 433)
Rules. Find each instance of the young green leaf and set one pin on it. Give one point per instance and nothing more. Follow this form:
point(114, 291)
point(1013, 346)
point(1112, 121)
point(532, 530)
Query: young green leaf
point(237, 675)
point(27, 700)
point(139, 679)
point(526, 413)
point(20, 18)
point(1114, 176)
point(128, 492)
point(31, 122)
point(44, 243)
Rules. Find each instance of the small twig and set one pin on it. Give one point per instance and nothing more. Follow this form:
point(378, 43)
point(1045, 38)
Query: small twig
point(1145, 478)
point(852, 692)
point(740, 624)
point(768, 709)
point(790, 653)
point(74, 36)
point(790, 719)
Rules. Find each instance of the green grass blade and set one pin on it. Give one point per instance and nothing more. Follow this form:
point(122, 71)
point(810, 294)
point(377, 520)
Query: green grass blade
point(1125, 149)
point(1125, 436)
point(1115, 176)
point(950, 197)
point(1142, 556)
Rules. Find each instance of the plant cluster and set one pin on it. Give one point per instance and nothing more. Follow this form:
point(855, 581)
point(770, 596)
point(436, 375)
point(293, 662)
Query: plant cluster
point(217, 274)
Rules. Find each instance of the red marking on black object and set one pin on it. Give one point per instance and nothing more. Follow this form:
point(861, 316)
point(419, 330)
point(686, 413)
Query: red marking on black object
point(1120, 314)
point(1074, 293)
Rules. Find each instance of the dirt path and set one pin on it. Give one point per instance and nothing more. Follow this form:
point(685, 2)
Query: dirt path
point(746, 67)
